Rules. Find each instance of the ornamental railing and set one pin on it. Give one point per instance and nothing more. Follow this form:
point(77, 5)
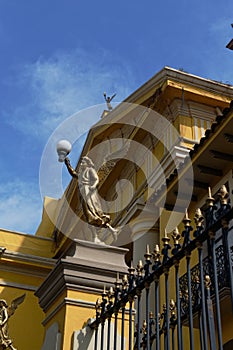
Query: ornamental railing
point(223, 280)
point(195, 306)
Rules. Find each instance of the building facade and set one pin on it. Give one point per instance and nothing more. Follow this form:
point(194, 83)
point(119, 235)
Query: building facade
point(160, 155)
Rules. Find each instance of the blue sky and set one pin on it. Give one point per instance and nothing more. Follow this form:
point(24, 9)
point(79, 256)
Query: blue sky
point(58, 57)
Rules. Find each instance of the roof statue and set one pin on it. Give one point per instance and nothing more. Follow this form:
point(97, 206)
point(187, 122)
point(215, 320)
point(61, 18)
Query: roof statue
point(108, 100)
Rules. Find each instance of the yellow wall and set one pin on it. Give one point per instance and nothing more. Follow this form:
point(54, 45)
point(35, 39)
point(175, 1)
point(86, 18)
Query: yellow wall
point(23, 267)
point(26, 244)
point(25, 325)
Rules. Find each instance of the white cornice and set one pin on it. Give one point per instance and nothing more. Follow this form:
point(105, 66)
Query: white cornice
point(27, 258)
point(182, 77)
point(18, 286)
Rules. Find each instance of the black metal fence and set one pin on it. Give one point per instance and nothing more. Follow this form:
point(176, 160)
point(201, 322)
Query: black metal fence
point(195, 307)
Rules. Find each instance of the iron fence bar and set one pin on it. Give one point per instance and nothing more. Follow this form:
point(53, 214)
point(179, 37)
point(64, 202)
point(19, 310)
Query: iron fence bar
point(182, 336)
point(156, 257)
point(173, 338)
point(203, 326)
point(173, 321)
point(210, 315)
point(122, 327)
point(190, 306)
point(167, 328)
point(201, 331)
point(150, 329)
point(138, 338)
point(179, 328)
point(109, 333)
point(102, 318)
point(143, 344)
point(147, 318)
point(115, 331)
point(102, 336)
point(138, 290)
point(131, 280)
point(217, 302)
point(165, 338)
point(227, 251)
point(96, 337)
point(147, 257)
point(115, 309)
point(130, 323)
point(124, 292)
point(176, 238)
point(97, 323)
point(166, 258)
point(108, 315)
point(157, 320)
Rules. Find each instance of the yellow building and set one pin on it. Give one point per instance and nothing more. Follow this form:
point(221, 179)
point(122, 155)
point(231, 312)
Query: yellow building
point(154, 160)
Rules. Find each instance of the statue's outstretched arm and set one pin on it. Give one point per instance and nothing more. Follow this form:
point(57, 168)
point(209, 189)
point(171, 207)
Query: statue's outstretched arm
point(112, 97)
point(71, 170)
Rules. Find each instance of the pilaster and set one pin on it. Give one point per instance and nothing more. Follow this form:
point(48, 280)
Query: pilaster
point(68, 294)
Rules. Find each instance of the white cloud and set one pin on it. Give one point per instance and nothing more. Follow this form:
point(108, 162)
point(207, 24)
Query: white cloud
point(64, 84)
point(20, 206)
point(47, 92)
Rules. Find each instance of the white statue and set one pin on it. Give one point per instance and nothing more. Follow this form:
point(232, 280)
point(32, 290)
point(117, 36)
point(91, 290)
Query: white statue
point(88, 181)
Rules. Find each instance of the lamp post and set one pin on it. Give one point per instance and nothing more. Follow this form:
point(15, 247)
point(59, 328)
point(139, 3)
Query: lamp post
point(63, 149)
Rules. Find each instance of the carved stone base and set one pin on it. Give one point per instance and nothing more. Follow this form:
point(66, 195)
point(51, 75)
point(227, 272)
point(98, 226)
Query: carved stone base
point(104, 256)
point(87, 266)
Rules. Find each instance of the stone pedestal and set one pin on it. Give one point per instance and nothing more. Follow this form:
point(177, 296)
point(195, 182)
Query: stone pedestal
point(69, 293)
